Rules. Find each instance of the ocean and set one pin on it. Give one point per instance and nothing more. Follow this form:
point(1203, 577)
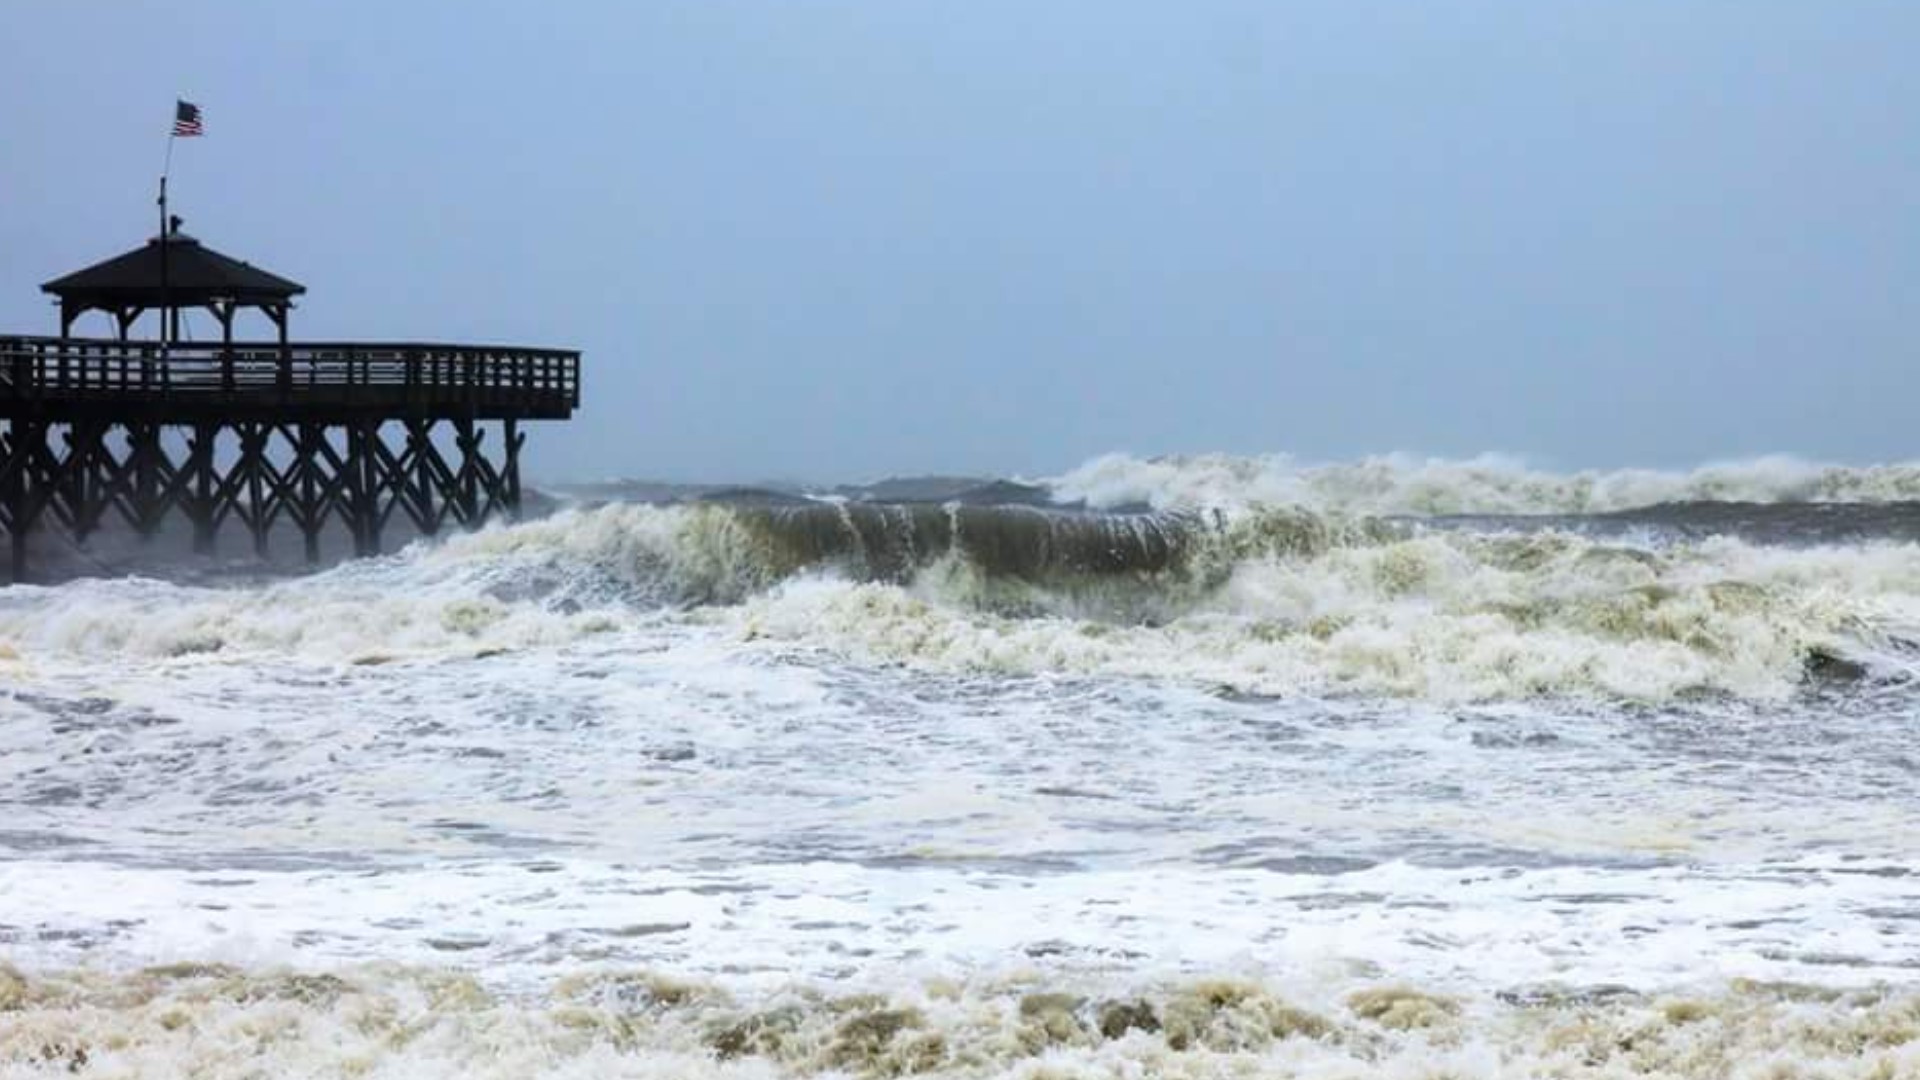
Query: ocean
point(1208, 766)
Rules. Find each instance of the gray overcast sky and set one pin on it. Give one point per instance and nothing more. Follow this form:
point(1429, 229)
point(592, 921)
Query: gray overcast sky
point(839, 240)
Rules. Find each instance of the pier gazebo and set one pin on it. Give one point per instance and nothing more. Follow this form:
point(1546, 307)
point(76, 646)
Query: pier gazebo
point(170, 274)
point(313, 434)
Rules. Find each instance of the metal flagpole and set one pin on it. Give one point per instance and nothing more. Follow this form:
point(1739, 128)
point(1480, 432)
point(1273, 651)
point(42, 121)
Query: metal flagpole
point(165, 168)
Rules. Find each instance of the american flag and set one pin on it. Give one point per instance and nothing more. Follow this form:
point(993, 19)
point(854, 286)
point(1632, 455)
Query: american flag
point(186, 119)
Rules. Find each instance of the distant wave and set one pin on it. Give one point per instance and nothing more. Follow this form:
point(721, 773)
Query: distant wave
point(1405, 484)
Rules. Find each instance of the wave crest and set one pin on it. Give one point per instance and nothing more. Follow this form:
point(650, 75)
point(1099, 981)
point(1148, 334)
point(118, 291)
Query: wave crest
point(1444, 617)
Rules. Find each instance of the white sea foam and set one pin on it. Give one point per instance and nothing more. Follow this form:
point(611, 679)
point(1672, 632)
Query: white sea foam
point(1488, 484)
point(760, 925)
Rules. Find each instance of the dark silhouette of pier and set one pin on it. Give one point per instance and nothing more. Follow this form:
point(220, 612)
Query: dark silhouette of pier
point(257, 434)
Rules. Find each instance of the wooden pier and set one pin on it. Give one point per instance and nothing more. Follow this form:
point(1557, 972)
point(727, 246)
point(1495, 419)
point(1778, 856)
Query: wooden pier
point(314, 434)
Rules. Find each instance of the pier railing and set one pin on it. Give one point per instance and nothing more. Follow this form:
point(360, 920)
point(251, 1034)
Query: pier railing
point(96, 374)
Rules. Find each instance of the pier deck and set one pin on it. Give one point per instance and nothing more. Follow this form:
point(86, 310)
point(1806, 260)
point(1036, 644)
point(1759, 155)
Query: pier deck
point(80, 378)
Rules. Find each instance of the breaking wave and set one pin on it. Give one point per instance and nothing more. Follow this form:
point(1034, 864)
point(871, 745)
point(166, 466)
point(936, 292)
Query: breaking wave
point(1404, 484)
point(1446, 618)
point(217, 1021)
point(1275, 601)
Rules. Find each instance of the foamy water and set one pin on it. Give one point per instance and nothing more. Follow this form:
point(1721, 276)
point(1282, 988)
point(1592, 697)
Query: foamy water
point(839, 790)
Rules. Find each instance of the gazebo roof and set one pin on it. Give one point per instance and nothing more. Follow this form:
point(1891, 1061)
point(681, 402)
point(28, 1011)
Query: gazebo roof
point(196, 276)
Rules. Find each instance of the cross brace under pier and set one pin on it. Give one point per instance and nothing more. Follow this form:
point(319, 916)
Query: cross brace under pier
point(70, 476)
